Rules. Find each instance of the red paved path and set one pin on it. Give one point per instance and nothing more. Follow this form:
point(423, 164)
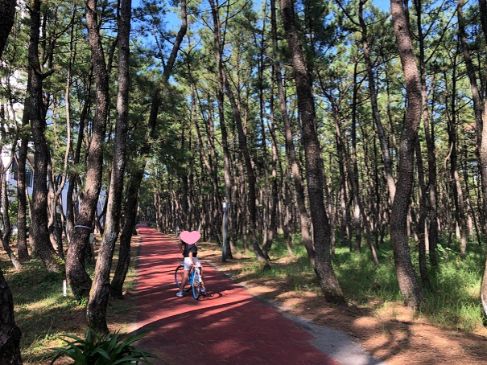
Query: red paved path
point(230, 327)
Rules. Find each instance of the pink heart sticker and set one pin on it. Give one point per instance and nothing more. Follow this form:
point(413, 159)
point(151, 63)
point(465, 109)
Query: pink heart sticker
point(190, 237)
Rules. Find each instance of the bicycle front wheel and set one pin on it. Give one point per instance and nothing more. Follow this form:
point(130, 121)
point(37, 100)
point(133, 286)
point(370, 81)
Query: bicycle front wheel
point(178, 275)
point(196, 285)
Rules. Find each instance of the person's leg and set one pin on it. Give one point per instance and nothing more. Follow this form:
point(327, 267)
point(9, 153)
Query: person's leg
point(197, 263)
point(187, 267)
point(185, 279)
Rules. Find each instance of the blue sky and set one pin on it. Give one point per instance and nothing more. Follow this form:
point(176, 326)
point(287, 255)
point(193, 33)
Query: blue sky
point(172, 21)
point(382, 4)
point(172, 18)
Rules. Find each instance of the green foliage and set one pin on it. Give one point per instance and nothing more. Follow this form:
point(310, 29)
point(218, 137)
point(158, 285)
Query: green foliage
point(102, 349)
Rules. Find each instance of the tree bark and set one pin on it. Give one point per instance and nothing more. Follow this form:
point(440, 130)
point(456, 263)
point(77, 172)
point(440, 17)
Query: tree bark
point(421, 228)
point(384, 145)
point(76, 274)
point(455, 184)
point(483, 154)
point(73, 176)
point(130, 213)
point(130, 219)
point(408, 285)
point(37, 110)
point(6, 230)
point(250, 174)
point(432, 225)
point(227, 175)
point(99, 294)
point(7, 17)
point(314, 163)
point(9, 332)
point(294, 169)
point(22, 250)
point(480, 111)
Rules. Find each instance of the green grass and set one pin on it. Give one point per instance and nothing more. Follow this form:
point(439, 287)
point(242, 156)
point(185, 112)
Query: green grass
point(41, 310)
point(44, 314)
point(452, 301)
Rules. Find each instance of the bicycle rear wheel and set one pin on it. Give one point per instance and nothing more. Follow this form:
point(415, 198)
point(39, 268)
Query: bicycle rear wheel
point(196, 285)
point(178, 275)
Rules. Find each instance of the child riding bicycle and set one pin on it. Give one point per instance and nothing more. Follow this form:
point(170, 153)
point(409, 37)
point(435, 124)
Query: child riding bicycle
point(188, 246)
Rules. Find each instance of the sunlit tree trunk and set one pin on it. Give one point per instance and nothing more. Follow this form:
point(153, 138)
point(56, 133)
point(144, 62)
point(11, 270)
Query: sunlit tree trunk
point(99, 294)
point(76, 274)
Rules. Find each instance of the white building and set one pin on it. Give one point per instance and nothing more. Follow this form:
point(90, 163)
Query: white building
point(11, 177)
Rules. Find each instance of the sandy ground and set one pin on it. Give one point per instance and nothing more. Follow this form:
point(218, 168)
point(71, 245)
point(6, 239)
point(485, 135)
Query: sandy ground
point(394, 335)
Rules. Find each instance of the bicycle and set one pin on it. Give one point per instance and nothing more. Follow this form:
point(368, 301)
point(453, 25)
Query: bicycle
point(194, 280)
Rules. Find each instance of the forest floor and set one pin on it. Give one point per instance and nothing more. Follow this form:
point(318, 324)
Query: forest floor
point(44, 315)
point(388, 331)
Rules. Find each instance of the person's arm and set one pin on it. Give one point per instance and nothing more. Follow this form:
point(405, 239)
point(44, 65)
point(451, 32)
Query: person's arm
point(191, 255)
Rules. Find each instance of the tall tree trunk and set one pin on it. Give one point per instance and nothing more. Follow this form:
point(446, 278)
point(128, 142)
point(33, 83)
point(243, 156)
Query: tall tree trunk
point(130, 213)
point(73, 176)
point(480, 111)
point(7, 17)
point(384, 145)
point(483, 17)
point(274, 196)
point(37, 110)
point(99, 294)
point(483, 152)
point(9, 332)
point(76, 274)
point(137, 176)
point(294, 169)
point(6, 230)
point(314, 163)
point(432, 225)
point(250, 174)
point(227, 175)
point(455, 184)
point(22, 250)
point(421, 229)
point(408, 285)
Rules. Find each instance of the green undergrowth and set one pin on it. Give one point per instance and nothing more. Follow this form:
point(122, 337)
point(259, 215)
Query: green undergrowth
point(41, 310)
point(451, 301)
point(44, 314)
